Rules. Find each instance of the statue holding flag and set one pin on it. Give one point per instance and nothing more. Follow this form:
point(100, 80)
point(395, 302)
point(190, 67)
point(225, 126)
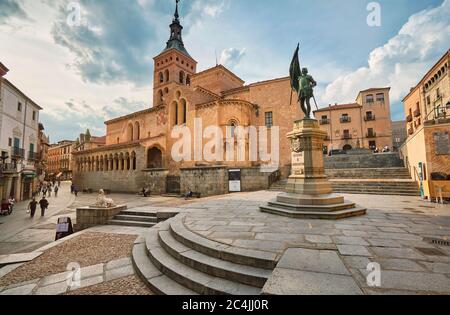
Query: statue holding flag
point(303, 84)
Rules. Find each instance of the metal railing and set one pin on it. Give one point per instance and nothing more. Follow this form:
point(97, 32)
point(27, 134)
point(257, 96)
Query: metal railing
point(8, 167)
point(274, 177)
point(371, 135)
point(417, 113)
point(369, 117)
point(33, 156)
point(324, 121)
point(347, 137)
point(409, 118)
point(18, 153)
point(346, 120)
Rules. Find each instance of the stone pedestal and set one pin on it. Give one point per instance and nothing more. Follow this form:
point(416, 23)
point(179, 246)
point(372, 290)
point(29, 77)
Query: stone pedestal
point(90, 216)
point(308, 192)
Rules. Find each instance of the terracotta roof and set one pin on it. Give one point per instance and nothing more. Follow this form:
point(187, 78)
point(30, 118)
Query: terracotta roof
point(218, 67)
point(339, 106)
point(99, 139)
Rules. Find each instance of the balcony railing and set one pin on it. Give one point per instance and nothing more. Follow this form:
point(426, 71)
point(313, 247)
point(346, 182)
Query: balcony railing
point(369, 118)
point(346, 137)
point(417, 113)
point(324, 121)
point(8, 168)
point(33, 156)
point(409, 118)
point(371, 135)
point(18, 153)
point(346, 120)
point(410, 131)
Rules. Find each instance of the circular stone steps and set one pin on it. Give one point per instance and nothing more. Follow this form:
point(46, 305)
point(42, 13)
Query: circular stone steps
point(173, 254)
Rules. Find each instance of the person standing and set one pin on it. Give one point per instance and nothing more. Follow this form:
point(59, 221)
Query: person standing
point(32, 207)
point(50, 190)
point(44, 205)
point(56, 191)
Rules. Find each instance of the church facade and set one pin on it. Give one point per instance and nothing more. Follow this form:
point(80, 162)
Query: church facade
point(138, 151)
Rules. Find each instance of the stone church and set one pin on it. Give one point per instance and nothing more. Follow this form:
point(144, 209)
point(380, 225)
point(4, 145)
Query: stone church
point(138, 150)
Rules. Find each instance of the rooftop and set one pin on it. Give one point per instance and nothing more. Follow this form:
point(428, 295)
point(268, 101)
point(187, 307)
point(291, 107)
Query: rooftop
point(338, 107)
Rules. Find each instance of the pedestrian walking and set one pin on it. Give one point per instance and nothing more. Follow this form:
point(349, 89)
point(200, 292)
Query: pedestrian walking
point(32, 207)
point(56, 191)
point(75, 191)
point(44, 191)
point(50, 191)
point(72, 188)
point(44, 205)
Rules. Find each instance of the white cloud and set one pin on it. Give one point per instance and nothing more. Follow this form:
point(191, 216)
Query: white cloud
point(402, 61)
point(231, 57)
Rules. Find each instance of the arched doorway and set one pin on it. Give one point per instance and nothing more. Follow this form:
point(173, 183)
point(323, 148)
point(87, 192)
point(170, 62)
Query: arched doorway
point(347, 147)
point(154, 158)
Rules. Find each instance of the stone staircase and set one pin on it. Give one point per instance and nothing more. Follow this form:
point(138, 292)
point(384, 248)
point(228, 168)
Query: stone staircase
point(172, 260)
point(134, 219)
point(372, 181)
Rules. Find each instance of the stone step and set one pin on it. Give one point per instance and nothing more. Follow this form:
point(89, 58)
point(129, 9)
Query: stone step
point(138, 218)
point(336, 215)
point(131, 223)
point(252, 276)
point(249, 257)
point(314, 208)
point(193, 279)
point(138, 213)
point(379, 193)
point(152, 277)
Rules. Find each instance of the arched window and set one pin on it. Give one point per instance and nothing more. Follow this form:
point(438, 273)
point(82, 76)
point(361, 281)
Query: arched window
point(181, 77)
point(137, 131)
point(154, 158)
point(232, 127)
point(160, 97)
point(166, 75)
point(130, 132)
point(188, 79)
point(166, 91)
point(174, 111)
point(133, 161)
point(182, 112)
point(161, 77)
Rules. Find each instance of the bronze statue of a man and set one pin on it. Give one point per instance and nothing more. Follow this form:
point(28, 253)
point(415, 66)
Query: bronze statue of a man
point(303, 84)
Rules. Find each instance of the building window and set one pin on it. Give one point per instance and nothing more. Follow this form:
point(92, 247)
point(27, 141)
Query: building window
point(428, 100)
point(380, 97)
point(369, 98)
point(181, 77)
point(269, 119)
point(372, 145)
point(19, 106)
point(34, 115)
point(10, 142)
point(438, 93)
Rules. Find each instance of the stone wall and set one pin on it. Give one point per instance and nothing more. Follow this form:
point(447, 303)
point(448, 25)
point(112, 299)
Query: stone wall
point(253, 179)
point(89, 217)
point(155, 180)
point(363, 161)
point(209, 181)
point(117, 182)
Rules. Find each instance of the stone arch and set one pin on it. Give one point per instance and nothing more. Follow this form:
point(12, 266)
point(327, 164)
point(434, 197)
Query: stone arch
point(133, 161)
point(116, 162)
point(154, 158)
point(347, 147)
point(121, 162)
point(111, 162)
point(127, 159)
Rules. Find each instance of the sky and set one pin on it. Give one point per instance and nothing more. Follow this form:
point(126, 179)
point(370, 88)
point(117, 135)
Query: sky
point(85, 73)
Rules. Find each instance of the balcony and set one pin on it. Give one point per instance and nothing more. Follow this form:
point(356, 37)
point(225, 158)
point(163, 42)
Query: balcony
point(8, 168)
point(324, 121)
point(346, 120)
point(409, 118)
point(347, 137)
point(371, 135)
point(33, 156)
point(18, 153)
point(417, 113)
point(369, 118)
point(411, 131)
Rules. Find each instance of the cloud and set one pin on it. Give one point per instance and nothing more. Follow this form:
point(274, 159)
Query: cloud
point(11, 9)
point(231, 57)
point(402, 61)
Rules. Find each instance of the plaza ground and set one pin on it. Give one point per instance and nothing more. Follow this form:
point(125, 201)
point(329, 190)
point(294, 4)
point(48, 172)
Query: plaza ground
point(395, 233)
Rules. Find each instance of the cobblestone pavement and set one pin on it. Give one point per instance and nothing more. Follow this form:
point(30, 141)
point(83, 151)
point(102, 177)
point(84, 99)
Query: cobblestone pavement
point(131, 285)
point(394, 233)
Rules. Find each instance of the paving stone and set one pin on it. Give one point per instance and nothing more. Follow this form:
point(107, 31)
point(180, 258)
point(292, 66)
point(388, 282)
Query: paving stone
point(322, 239)
point(53, 289)
point(118, 273)
point(312, 260)
point(392, 229)
point(353, 250)
point(382, 242)
point(415, 281)
point(280, 237)
point(296, 282)
point(226, 235)
point(18, 258)
point(260, 245)
point(20, 290)
point(407, 253)
point(437, 267)
point(89, 282)
point(60, 277)
point(356, 262)
point(354, 233)
point(92, 271)
point(399, 264)
point(118, 263)
point(349, 240)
